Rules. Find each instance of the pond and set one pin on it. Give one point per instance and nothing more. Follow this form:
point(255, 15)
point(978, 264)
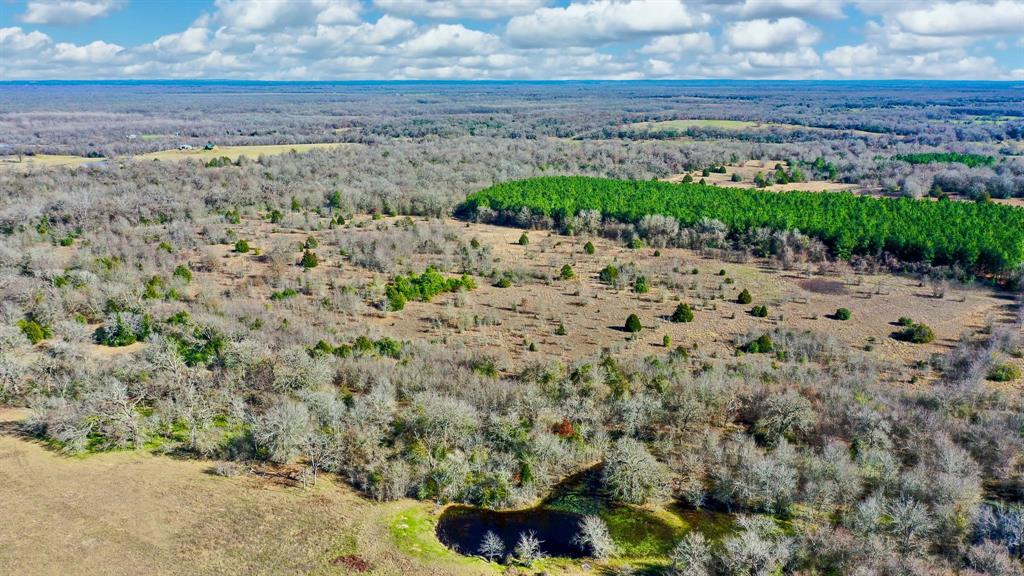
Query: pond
point(462, 528)
point(638, 533)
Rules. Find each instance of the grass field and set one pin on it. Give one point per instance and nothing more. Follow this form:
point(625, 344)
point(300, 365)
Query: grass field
point(44, 161)
point(234, 152)
point(139, 513)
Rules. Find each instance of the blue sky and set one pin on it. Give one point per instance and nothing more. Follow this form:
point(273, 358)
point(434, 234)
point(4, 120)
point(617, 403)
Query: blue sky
point(511, 39)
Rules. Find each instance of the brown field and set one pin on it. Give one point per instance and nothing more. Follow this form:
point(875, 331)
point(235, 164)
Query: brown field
point(139, 513)
point(198, 153)
point(44, 161)
point(503, 322)
point(749, 169)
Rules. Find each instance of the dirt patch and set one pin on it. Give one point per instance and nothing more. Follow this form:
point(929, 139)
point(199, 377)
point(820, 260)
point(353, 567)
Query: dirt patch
point(823, 286)
point(352, 562)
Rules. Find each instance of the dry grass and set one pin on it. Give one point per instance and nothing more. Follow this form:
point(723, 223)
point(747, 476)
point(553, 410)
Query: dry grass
point(44, 161)
point(234, 152)
point(530, 311)
point(748, 170)
point(136, 513)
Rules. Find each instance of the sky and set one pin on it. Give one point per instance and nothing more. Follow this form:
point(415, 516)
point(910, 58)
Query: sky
point(511, 39)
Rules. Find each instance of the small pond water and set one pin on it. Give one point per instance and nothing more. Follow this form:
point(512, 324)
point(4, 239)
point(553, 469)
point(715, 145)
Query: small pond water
point(462, 528)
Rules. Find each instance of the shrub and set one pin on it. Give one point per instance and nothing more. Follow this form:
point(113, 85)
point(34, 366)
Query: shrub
point(276, 216)
point(124, 329)
point(283, 294)
point(633, 323)
point(640, 285)
point(426, 285)
point(561, 331)
point(242, 247)
point(843, 314)
point(744, 297)
point(905, 321)
point(567, 273)
point(183, 273)
point(609, 274)
point(309, 259)
point(503, 282)
point(524, 240)
point(916, 333)
point(761, 345)
point(311, 243)
point(589, 248)
point(34, 331)
point(636, 243)
point(736, 177)
point(1004, 373)
point(759, 311)
point(682, 313)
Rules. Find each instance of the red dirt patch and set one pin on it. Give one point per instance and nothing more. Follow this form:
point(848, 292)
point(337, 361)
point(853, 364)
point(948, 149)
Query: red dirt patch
point(352, 562)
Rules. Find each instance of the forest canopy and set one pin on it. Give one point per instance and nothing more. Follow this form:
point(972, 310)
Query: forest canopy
point(985, 237)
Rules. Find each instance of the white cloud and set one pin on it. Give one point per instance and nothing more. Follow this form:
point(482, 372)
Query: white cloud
point(450, 40)
point(67, 12)
point(865, 61)
point(541, 39)
point(602, 21)
point(13, 39)
point(896, 39)
point(95, 52)
point(455, 9)
point(191, 41)
point(770, 35)
point(265, 15)
point(779, 8)
point(678, 44)
point(964, 18)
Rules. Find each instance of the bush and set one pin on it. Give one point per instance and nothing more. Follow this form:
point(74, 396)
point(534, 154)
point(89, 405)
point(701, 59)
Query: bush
point(736, 177)
point(744, 297)
point(425, 286)
point(916, 334)
point(524, 240)
point(640, 285)
point(311, 243)
point(759, 311)
point(843, 314)
point(609, 274)
point(124, 329)
point(761, 345)
point(567, 273)
point(633, 323)
point(905, 321)
point(34, 331)
point(309, 259)
point(683, 313)
point(183, 273)
point(589, 248)
point(242, 247)
point(1004, 373)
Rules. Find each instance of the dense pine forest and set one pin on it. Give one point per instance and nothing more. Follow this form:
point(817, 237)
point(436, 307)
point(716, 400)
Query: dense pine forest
point(983, 236)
